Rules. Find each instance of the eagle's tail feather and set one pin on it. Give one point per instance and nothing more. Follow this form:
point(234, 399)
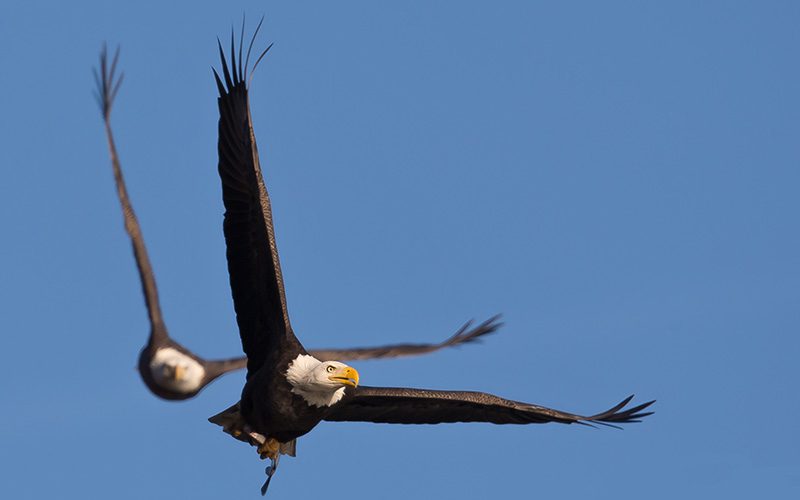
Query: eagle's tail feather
point(232, 423)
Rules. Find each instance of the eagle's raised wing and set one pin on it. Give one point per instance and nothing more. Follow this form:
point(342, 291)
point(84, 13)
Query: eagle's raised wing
point(107, 86)
point(253, 265)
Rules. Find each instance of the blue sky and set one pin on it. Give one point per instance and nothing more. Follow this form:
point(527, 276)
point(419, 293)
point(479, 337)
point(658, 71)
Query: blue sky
point(619, 180)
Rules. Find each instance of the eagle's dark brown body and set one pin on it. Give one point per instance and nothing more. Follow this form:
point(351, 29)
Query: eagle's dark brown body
point(269, 406)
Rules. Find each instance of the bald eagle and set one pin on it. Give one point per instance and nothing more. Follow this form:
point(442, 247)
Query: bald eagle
point(170, 370)
point(288, 390)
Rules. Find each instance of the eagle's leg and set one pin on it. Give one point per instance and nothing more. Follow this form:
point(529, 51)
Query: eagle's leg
point(269, 448)
point(269, 471)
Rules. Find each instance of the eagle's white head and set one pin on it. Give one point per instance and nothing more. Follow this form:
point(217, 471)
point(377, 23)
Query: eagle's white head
point(320, 383)
point(176, 371)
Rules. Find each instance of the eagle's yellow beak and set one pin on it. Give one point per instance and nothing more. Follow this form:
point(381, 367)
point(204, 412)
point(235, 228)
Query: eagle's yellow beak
point(345, 376)
point(180, 371)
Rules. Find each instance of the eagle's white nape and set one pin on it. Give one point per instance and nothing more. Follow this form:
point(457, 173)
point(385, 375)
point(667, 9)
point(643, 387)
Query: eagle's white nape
point(169, 362)
point(308, 378)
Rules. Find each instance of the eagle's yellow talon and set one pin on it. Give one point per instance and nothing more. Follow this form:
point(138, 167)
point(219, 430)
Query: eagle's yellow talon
point(269, 449)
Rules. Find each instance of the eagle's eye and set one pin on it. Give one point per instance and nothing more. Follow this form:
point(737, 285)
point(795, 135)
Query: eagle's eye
point(330, 368)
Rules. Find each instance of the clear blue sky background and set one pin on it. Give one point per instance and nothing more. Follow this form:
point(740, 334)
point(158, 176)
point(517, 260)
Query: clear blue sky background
point(619, 180)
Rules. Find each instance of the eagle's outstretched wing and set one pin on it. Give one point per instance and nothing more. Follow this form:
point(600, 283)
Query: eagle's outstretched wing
point(391, 405)
point(464, 335)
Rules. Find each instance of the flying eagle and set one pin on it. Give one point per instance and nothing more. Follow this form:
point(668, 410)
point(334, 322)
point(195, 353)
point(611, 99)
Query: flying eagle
point(288, 390)
point(170, 370)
